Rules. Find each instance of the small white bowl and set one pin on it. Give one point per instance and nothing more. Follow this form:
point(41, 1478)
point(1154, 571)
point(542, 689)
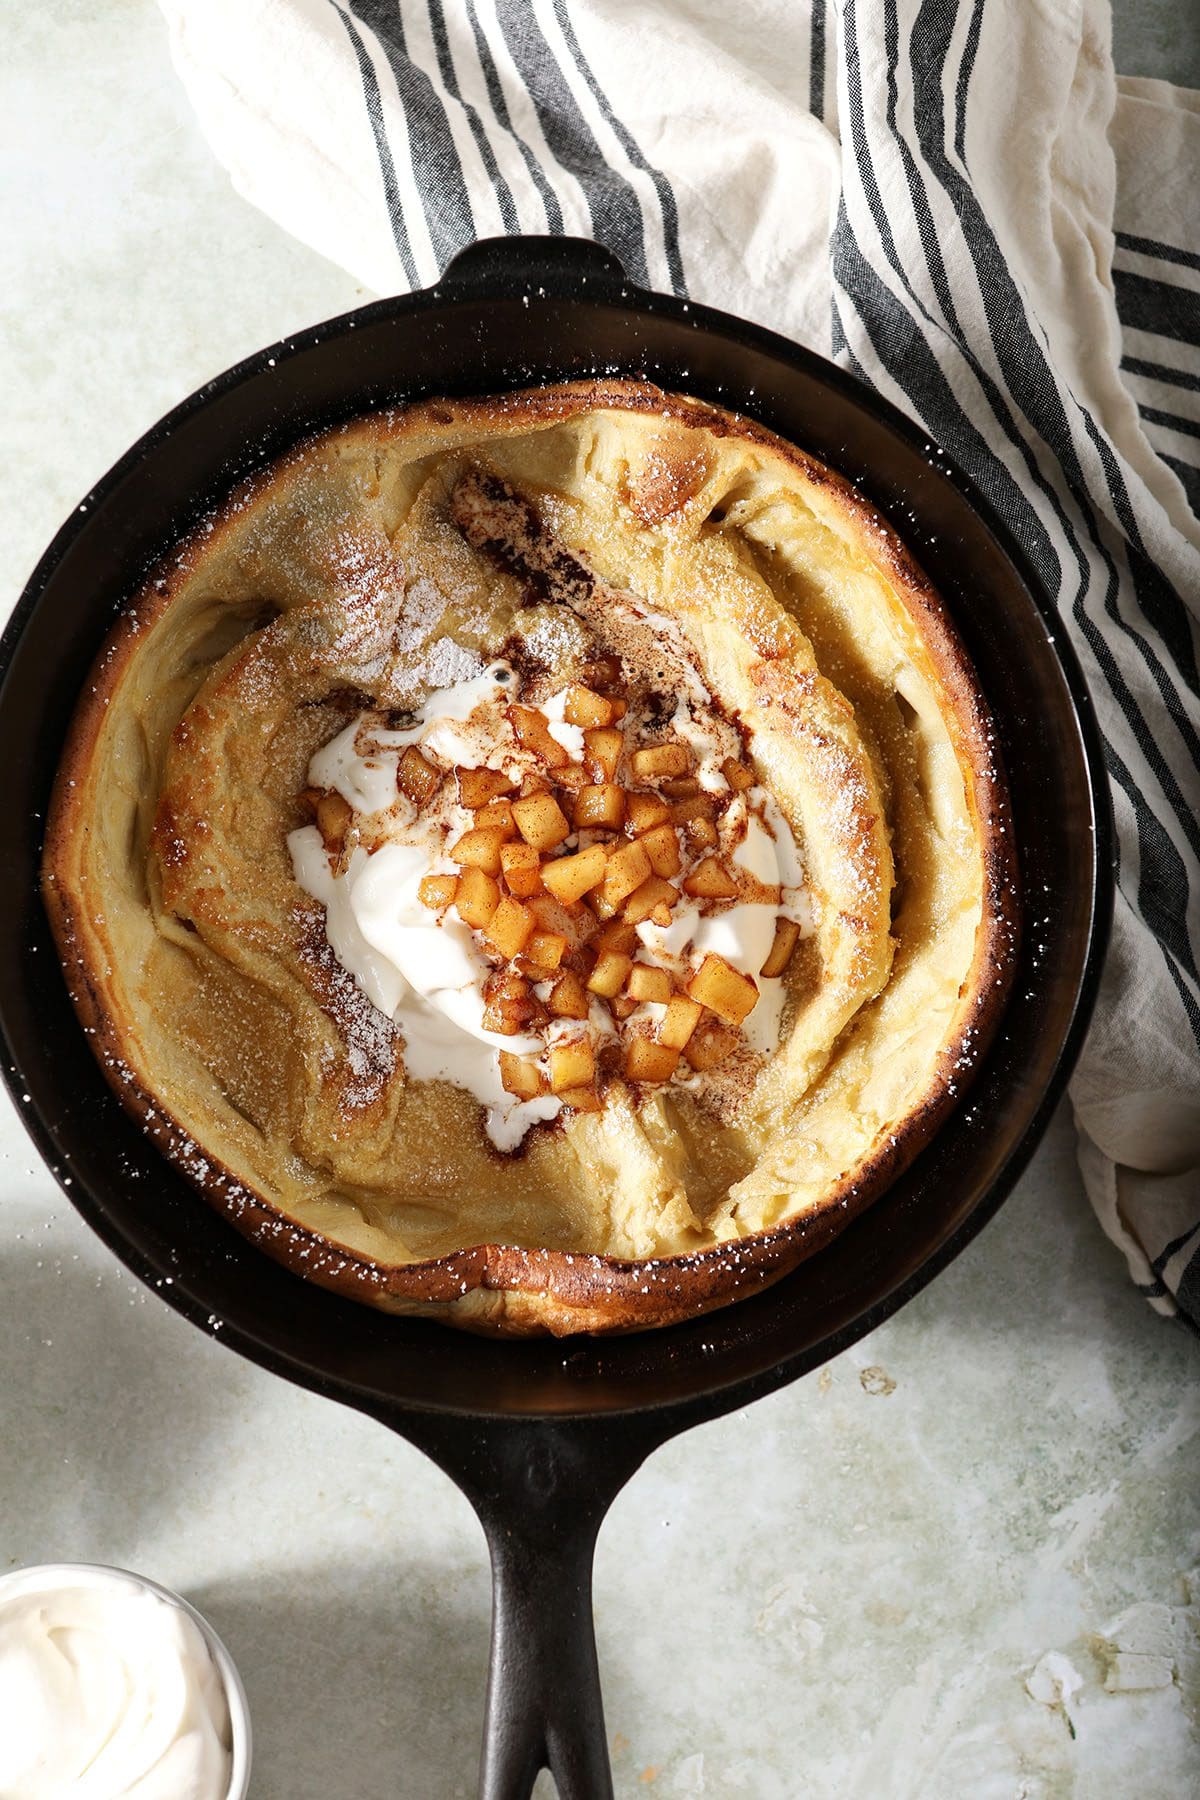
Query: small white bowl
point(50, 1577)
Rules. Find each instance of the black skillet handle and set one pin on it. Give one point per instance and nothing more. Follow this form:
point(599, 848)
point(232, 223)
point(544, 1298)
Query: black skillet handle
point(548, 265)
point(541, 1490)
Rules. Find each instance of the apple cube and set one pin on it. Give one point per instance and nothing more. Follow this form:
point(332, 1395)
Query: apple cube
point(334, 814)
point(609, 975)
point(626, 870)
point(509, 928)
point(737, 775)
point(649, 983)
point(710, 880)
point(646, 1060)
point(662, 847)
point(645, 811)
point(679, 1021)
point(723, 989)
point(417, 777)
point(602, 752)
point(581, 1099)
point(545, 951)
point(477, 898)
point(600, 808)
point(568, 997)
point(541, 821)
point(583, 707)
point(657, 761)
point(534, 733)
point(479, 848)
point(477, 786)
point(520, 1076)
point(787, 935)
point(653, 900)
point(522, 868)
point(572, 1065)
point(437, 891)
point(570, 877)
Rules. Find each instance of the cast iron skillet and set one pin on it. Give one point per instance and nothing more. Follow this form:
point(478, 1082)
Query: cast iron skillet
point(541, 1435)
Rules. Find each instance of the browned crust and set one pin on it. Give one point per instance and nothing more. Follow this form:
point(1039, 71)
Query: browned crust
point(496, 1287)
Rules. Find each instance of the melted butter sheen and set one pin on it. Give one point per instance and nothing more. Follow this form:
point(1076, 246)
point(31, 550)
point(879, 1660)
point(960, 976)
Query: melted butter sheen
point(108, 1694)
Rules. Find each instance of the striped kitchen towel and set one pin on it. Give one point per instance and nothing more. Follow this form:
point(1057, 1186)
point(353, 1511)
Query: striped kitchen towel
point(960, 203)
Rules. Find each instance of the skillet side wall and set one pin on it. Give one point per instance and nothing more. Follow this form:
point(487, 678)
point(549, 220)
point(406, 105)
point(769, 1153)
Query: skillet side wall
point(398, 350)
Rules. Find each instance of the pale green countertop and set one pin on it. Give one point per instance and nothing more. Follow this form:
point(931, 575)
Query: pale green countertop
point(841, 1594)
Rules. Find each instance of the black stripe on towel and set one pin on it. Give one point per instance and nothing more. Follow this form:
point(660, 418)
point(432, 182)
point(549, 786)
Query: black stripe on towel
point(1159, 306)
point(614, 207)
point(1142, 246)
point(632, 149)
point(499, 104)
point(438, 172)
point(387, 168)
point(1153, 371)
point(441, 41)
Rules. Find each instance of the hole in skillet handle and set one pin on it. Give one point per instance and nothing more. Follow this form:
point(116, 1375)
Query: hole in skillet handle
point(559, 266)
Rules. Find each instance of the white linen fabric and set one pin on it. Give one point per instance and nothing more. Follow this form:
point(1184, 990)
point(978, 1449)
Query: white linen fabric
point(958, 202)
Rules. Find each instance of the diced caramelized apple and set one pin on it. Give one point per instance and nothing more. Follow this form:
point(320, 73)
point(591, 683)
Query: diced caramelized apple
point(625, 870)
point(572, 1065)
point(570, 877)
point(700, 831)
point(541, 821)
point(334, 813)
point(737, 775)
point(615, 935)
point(602, 753)
point(477, 898)
point(622, 1007)
point(646, 1060)
point(610, 973)
point(522, 869)
point(583, 707)
point(662, 847)
point(710, 880)
point(600, 808)
point(568, 997)
point(646, 811)
point(534, 732)
point(417, 777)
point(509, 928)
point(437, 891)
point(552, 915)
point(545, 951)
point(477, 786)
point(787, 934)
point(653, 900)
point(497, 815)
point(710, 1044)
point(659, 760)
point(498, 1018)
point(649, 983)
point(723, 989)
point(680, 787)
point(520, 1076)
point(581, 1099)
point(479, 848)
point(574, 778)
point(679, 1021)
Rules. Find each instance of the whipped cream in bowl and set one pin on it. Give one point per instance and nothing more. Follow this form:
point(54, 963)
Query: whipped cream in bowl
point(114, 1688)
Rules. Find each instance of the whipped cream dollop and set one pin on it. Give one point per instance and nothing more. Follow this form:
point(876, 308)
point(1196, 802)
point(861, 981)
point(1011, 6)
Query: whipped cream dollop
point(427, 970)
point(107, 1692)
